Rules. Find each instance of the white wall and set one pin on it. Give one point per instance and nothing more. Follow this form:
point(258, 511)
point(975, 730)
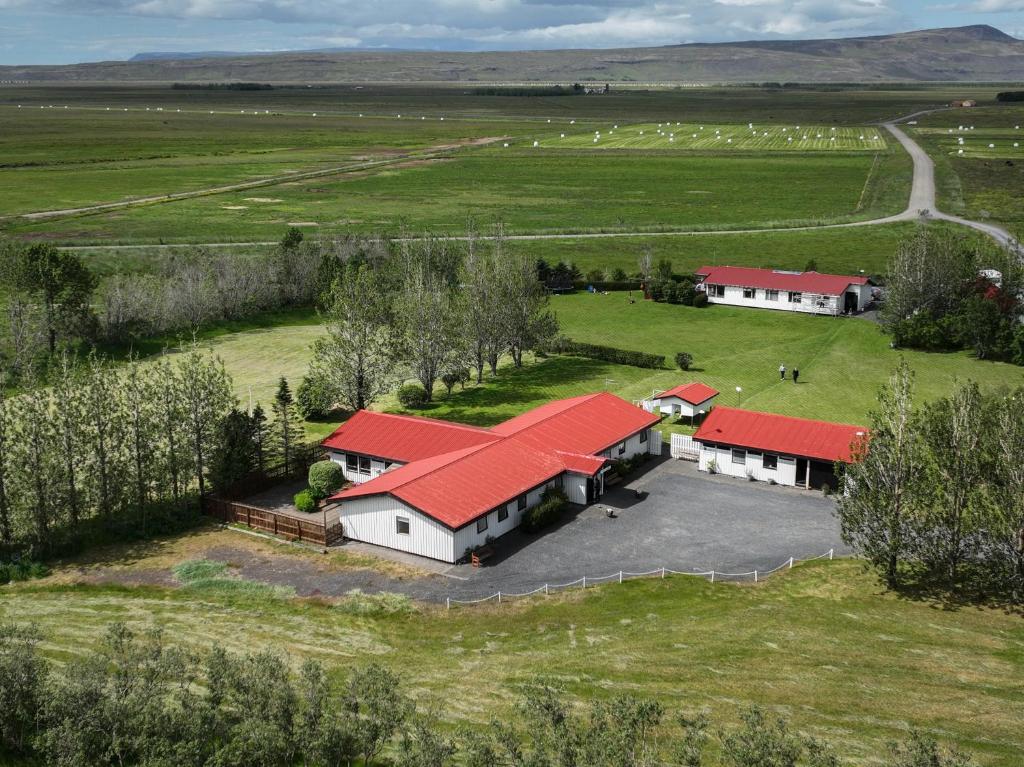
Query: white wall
point(356, 477)
point(373, 519)
point(468, 537)
point(783, 474)
point(809, 303)
point(676, 406)
point(634, 445)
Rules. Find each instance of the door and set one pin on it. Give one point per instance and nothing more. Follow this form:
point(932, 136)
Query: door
point(801, 472)
point(850, 303)
point(590, 490)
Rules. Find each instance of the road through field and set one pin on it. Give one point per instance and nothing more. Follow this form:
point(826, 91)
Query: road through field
point(921, 205)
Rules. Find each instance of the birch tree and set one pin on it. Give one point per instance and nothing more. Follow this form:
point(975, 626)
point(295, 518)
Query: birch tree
point(139, 393)
point(883, 487)
point(429, 316)
point(526, 320)
point(35, 438)
point(103, 434)
point(356, 360)
point(206, 397)
point(1007, 495)
point(6, 470)
point(171, 451)
point(482, 316)
point(68, 384)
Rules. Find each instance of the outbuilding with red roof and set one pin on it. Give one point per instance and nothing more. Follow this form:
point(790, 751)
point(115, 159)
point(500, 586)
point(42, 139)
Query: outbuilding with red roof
point(789, 451)
point(810, 292)
point(437, 489)
point(689, 399)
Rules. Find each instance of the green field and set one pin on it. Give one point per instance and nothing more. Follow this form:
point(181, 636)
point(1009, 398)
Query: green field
point(728, 137)
point(822, 645)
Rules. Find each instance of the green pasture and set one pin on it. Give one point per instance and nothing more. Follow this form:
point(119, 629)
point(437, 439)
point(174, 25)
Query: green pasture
point(529, 190)
point(723, 137)
point(822, 644)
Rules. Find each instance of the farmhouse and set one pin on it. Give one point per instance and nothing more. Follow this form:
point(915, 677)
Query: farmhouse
point(789, 451)
point(437, 489)
point(688, 399)
point(810, 292)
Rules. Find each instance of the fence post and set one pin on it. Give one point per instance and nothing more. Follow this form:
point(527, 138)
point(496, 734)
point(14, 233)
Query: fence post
point(448, 603)
point(791, 563)
point(663, 572)
point(620, 576)
point(499, 597)
point(755, 576)
point(584, 581)
point(275, 524)
point(712, 576)
point(830, 553)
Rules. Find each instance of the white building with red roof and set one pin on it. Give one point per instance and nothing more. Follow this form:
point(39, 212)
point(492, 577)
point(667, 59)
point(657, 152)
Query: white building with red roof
point(810, 292)
point(798, 452)
point(689, 399)
point(436, 488)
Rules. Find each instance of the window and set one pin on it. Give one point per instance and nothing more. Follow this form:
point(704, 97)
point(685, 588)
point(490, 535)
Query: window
point(769, 461)
point(771, 295)
point(643, 436)
point(402, 525)
point(503, 513)
point(364, 465)
point(521, 502)
point(622, 448)
point(716, 291)
point(796, 298)
point(481, 524)
point(739, 456)
point(388, 465)
point(352, 462)
point(749, 292)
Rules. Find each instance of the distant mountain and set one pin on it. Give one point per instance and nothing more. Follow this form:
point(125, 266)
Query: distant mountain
point(963, 54)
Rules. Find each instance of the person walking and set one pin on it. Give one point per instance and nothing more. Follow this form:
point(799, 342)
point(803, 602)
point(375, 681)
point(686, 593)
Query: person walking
point(796, 375)
point(782, 372)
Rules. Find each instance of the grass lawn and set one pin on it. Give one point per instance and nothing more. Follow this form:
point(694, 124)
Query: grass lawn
point(822, 644)
point(529, 190)
point(842, 361)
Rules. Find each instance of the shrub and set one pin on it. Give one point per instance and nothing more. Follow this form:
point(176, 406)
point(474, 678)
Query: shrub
point(563, 345)
point(685, 292)
point(412, 396)
point(700, 300)
point(22, 570)
point(595, 275)
point(305, 502)
point(313, 398)
point(324, 478)
point(684, 360)
point(552, 504)
point(619, 275)
point(826, 489)
point(627, 466)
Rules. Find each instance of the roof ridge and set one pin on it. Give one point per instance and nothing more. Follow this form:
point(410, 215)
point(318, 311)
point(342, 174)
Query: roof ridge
point(789, 417)
point(427, 419)
point(465, 451)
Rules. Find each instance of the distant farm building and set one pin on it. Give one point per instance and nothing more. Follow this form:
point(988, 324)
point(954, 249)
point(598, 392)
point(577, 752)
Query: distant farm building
point(763, 446)
point(961, 103)
point(684, 400)
point(810, 292)
point(437, 489)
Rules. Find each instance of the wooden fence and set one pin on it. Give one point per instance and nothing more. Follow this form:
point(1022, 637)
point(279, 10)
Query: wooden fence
point(283, 525)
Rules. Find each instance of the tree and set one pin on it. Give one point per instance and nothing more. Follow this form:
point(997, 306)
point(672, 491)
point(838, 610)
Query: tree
point(205, 397)
point(1007, 494)
point(35, 454)
point(761, 743)
point(527, 323)
point(921, 750)
point(378, 706)
point(171, 450)
point(482, 295)
point(286, 432)
point(954, 431)
point(883, 487)
point(355, 363)
point(689, 750)
point(61, 282)
point(430, 316)
point(139, 393)
point(811, 265)
point(424, 745)
point(325, 477)
point(259, 435)
point(234, 453)
point(104, 434)
point(684, 360)
point(22, 678)
point(67, 384)
point(7, 433)
point(326, 737)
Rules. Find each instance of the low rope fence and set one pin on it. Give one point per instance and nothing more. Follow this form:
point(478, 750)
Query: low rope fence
point(622, 575)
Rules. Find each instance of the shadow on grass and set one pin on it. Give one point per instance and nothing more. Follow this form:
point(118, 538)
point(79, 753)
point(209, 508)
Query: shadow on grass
point(974, 589)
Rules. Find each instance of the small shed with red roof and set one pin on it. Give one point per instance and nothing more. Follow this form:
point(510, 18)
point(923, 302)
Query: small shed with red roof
point(810, 292)
point(799, 452)
point(689, 399)
point(437, 489)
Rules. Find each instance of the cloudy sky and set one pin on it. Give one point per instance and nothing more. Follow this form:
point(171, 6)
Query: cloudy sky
point(63, 31)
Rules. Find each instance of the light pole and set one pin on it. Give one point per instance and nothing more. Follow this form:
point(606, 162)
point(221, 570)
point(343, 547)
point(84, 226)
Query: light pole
point(739, 392)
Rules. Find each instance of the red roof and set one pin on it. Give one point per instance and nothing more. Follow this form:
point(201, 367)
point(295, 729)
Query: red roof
point(403, 438)
point(779, 434)
point(694, 393)
point(458, 485)
point(798, 282)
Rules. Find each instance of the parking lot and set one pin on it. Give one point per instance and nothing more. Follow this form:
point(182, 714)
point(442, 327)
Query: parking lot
point(688, 521)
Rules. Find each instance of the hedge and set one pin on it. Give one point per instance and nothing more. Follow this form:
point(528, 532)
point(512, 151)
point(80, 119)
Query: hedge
point(608, 285)
point(563, 345)
point(552, 504)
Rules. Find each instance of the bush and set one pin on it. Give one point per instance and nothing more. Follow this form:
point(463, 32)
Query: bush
point(609, 285)
point(700, 300)
point(324, 478)
point(684, 360)
point(627, 466)
point(305, 502)
point(563, 345)
point(412, 396)
point(313, 398)
point(22, 570)
point(619, 275)
point(595, 275)
point(685, 293)
point(552, 504)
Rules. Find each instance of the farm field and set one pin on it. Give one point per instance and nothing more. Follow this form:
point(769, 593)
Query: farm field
point(880, 665)
point(983, 177)
point(529, 190)
point(842, 362)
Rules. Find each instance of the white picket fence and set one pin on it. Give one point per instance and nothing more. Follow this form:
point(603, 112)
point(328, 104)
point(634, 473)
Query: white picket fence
point(684, 447)
point(661, 572)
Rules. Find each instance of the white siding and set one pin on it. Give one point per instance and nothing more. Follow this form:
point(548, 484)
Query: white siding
point(356, 477)
point(809, 301)
point(634, 445)
point(575, 486)
point(373, 519)
point(783, 474)
point(676, 406)
point(467, 537)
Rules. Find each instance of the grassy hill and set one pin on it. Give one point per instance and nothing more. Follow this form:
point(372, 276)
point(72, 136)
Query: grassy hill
point(961, 54)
